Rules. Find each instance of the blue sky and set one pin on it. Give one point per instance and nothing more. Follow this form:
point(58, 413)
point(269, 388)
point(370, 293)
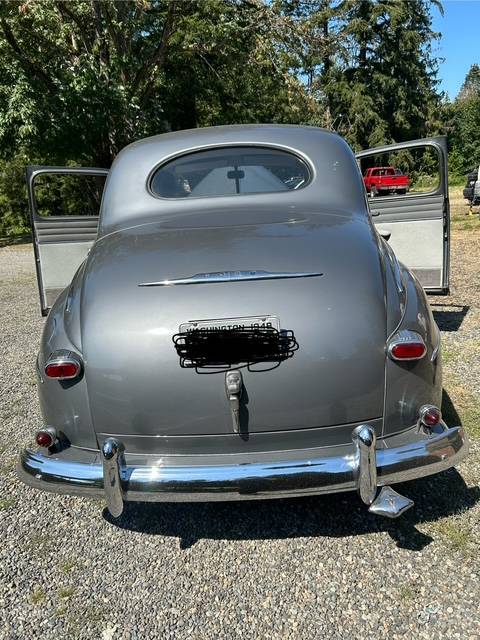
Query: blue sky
point(460, 42)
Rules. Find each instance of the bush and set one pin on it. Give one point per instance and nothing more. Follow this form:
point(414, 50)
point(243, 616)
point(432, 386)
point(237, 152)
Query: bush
point(14, 219)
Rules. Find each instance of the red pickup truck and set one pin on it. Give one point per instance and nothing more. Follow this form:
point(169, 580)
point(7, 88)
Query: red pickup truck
point(381, 181)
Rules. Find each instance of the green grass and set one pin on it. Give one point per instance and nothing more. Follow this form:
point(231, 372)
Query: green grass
point(424, 184)
point(448, 356)
point(457, 535)
point(457, 180)
point(37, 596)
point(65, 593)
point(469, 223)
point(20, 238)
point(406, 593)
point(68, 566)
point(468, 409)
point(38, 543)
point(7, 503)
point(463, 405)
point(471, 419)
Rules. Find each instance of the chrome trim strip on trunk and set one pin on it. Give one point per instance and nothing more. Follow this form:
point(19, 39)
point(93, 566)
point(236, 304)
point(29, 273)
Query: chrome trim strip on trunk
point(307, 476)
point(231, 276)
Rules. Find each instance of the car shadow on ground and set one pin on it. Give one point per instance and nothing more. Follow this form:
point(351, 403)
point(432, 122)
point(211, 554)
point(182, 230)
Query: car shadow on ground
point(334, 515)
point(330, 516)
point(449, 317)
point(449, 413)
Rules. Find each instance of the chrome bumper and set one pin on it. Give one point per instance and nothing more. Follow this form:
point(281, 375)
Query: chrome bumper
point(364, 469)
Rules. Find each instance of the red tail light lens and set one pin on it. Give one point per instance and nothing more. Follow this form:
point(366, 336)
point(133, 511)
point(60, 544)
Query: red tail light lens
point(46, 437)
point(430, 415)
point(408, 351)
point(62, 370)
point(407, 345)
point(63, 365)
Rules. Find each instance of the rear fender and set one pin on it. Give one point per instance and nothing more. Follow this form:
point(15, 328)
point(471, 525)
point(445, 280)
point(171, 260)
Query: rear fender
point(64, 404)
point(409, 385)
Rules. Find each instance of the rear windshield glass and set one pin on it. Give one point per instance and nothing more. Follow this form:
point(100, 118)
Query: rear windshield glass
point(229, 171)
point(383, 172)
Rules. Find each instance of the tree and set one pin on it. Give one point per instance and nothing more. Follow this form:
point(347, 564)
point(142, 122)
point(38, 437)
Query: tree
point(471, 84)
point(378, 80)
point(80, 80)
point(465, 125)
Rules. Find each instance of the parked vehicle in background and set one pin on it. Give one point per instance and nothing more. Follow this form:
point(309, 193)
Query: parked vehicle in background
point(235, 325)
point(472, 188)
point(383, 181)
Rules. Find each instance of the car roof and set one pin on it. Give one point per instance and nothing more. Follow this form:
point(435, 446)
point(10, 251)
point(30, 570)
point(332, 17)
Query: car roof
point(127, 200)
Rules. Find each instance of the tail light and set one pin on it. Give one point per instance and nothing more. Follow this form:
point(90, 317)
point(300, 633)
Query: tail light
point(407, 345)
point(46, 437)
point(63, 365)
point(430, 415)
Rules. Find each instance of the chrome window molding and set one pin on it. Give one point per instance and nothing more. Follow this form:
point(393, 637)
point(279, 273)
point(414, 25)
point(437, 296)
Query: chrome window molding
point(210, 147)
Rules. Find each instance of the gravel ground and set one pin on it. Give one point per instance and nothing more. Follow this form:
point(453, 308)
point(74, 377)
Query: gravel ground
point(305, 568)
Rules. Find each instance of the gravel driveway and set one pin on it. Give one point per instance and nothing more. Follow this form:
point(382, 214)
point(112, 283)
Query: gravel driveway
point(305, 568)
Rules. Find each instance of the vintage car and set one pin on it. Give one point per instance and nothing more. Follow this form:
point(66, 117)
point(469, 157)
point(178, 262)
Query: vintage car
point(234, 326)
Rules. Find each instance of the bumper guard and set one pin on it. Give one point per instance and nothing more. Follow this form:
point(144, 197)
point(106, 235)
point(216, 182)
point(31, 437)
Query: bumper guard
point(366, 469)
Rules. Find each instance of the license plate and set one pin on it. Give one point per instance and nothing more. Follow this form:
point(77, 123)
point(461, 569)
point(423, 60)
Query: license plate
point(223, 324)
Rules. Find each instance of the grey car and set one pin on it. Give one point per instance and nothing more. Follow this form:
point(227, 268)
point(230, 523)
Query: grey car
point(240, 322)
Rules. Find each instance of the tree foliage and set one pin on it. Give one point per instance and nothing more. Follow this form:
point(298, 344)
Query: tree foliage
point(80, 80)
point(88, 77)
point(371, 64)
point(465, 125)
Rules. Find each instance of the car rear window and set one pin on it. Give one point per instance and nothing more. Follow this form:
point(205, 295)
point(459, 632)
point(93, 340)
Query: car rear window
point(230, 171)
point(384, 171)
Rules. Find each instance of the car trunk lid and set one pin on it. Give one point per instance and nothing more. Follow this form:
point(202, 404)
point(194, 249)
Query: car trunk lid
point(136, 383)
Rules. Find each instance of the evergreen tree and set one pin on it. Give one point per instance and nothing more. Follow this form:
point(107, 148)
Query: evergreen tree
point(471, 84)
point(378, 80)
point(465, 125)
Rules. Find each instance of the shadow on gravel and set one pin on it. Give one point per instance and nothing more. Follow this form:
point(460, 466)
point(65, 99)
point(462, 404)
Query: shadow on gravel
point(449, 413)
point(450, 317)
point(330, 515)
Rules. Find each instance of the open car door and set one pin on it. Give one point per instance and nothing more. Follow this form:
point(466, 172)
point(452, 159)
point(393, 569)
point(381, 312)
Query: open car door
point(410, 208)
point(64, 206)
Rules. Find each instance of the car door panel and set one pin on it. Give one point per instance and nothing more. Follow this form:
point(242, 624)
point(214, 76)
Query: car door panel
point(400, 218)
point(417, 224)
point(61, 242)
